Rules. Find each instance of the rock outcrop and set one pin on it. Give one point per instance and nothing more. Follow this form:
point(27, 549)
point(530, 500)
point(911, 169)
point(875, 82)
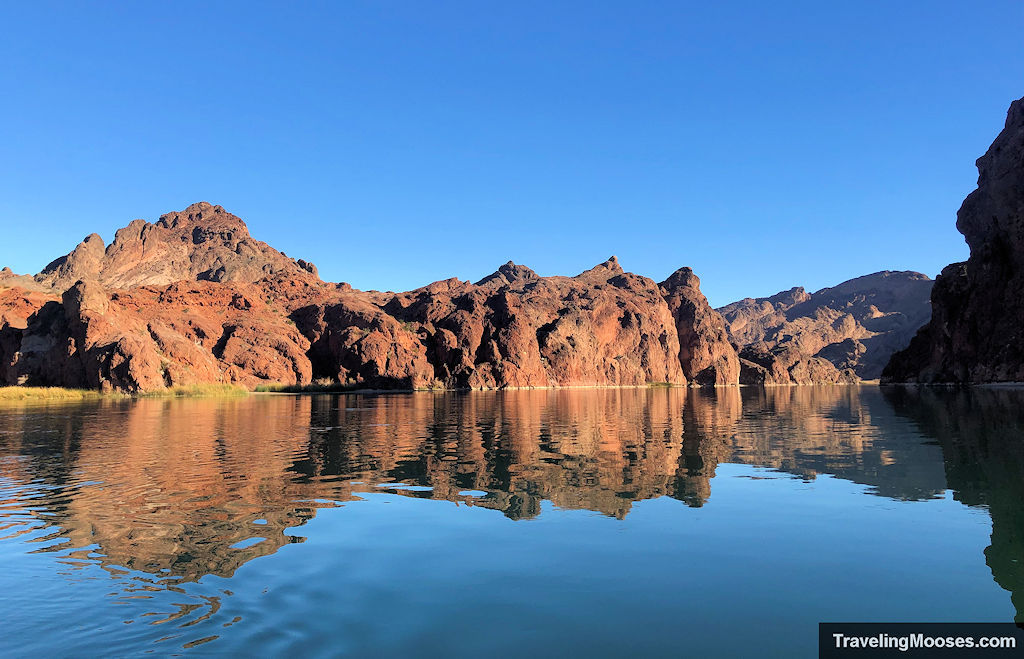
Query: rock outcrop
point(193, 298)
point(148, 338)
point(840, 334)
point(201, 243)
point(604, 327)
point(976, 333)
point(705, 353)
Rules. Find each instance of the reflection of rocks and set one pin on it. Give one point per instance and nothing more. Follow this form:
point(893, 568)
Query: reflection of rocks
point(177, 493)
point(981, 433)
point(842, 431)
point(184, 480)
point(591, 449)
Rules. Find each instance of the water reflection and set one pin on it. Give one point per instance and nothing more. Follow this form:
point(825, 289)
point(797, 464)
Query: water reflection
point(161, 493)
point(982, 437)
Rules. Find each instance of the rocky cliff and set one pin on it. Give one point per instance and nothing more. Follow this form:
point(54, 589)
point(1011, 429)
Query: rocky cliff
point(195, 299)
point(840, 334)
point(976, 333)
point(705, 353)
point(201, 243)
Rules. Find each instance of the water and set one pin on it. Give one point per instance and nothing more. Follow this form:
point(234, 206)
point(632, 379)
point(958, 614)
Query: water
point(658, 522)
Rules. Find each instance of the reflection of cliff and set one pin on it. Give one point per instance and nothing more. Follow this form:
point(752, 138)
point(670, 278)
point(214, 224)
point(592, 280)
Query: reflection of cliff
point(597, 449)
point(848, 432)
point(169, 487)
point(982, 436)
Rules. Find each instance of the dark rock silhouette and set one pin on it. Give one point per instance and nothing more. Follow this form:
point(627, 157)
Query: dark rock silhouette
point(976, 333)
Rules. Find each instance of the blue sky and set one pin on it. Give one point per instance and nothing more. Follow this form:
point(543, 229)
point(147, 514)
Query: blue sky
point(765, 145)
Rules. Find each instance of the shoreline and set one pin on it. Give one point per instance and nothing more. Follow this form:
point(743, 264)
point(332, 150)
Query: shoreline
point(29, 394)
point(21, 393)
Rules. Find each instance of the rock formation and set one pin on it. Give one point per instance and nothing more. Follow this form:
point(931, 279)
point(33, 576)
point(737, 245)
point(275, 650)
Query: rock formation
point(201, 243)
point(840, 334)
point(511, 329)
point(195, 299)
point(976, 333)
point(705, 353)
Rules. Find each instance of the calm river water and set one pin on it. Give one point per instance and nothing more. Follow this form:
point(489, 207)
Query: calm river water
point(630, 522)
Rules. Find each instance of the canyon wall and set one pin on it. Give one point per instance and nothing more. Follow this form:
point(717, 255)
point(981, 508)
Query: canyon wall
point(976, 333)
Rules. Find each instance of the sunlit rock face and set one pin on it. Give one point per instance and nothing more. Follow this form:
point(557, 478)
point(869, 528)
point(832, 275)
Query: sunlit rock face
point(840, 334)
point(194, 299)
point(976, 333)
point(705, 353)
point(201, 243)
point(513, 329)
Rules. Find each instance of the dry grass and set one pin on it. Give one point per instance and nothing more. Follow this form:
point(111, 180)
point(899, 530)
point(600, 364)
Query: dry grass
point(42, 394)
point(318, 387)
point(51, 393)
point(198, 391)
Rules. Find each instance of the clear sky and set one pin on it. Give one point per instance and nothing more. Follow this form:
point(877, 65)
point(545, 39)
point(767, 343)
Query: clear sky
point(764, 144)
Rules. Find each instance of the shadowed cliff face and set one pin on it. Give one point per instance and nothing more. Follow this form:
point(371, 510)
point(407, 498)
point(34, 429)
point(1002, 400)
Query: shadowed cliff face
point(194, 299)
point(839, 334)
point(980, 431)
point(976, 333)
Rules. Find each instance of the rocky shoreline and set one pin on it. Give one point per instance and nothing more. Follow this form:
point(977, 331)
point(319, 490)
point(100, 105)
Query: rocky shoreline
point(193, 298)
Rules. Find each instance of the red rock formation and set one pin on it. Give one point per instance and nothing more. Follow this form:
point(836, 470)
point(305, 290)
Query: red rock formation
point(194, 299)
point(839, 334)
point(20, 297)
point(604, 327)
point(705, 353)
point(149, 338)
point(976, 333)
point(202, 242)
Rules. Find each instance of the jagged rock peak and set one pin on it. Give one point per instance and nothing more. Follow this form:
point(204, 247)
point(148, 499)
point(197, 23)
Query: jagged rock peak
point(202, 214)
point(202, 242)
point(839, 333)
point(793, 296)
point(681, 277)
point(605, 270)
point(510, 273)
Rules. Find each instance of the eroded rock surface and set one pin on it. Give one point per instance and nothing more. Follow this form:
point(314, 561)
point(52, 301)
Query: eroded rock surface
point(193, 298)
point(604, 327)
point(976, 333)
point(840, 334)
point(201, 243)
point(705, 353)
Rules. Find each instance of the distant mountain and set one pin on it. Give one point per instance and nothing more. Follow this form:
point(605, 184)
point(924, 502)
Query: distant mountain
point(838, 334)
